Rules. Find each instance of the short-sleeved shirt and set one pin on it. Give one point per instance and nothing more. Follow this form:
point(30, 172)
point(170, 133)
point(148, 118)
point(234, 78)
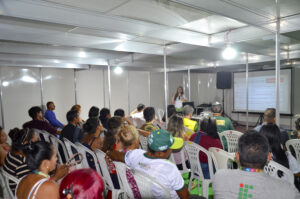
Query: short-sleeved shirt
point(228, 183)
point(41, 125)
point(223, 124)
point(69, 133)
point(283, 133)
point(162, 170)
point(16, 166)
point(149, 127)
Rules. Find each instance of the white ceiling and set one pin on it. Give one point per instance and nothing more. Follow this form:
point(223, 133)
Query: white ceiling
point(132, 33)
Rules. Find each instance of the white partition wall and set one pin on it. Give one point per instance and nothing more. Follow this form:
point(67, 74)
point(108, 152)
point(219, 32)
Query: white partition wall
point(194, 88)
point(157, 95)
point(58, 86)
point(139, 89)
point(90, 90)
point(21, 90)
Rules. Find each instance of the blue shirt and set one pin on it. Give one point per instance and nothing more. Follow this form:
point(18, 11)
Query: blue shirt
point(50, 116)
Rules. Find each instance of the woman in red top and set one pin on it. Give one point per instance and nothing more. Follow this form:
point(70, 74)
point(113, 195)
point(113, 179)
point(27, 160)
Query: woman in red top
point(207, 137)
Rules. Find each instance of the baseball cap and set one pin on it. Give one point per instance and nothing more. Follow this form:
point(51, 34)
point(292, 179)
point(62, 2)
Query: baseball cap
point(161, 140)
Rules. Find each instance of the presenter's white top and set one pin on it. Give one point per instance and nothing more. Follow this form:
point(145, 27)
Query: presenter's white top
point(178, 102)
point(164, 171)
point(139, 115)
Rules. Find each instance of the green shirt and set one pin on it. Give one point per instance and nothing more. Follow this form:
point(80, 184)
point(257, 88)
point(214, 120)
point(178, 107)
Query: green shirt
point(223, 124)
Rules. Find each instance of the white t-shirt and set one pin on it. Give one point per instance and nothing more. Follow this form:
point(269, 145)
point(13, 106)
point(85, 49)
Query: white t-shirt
point(178, 102)
point(139, 115)
point(164, 171)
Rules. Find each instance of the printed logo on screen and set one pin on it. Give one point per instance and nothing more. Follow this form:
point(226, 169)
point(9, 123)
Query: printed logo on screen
point(244, 191)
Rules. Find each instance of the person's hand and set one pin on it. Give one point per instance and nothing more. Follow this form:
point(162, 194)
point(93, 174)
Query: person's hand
point(61, 171)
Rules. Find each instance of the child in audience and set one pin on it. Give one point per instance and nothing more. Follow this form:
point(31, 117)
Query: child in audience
point(82, 183)
point(149, 115)
point(41, 160)
point(4, 146)
point(176, 128)
point(207, 138)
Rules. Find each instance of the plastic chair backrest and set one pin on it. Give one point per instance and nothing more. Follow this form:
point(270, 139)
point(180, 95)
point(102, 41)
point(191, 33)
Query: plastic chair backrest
point(221, 157)
point(143, 142)
point(137, 122)
point(272, 169)
point(144, 182)
point(72, 149)
point(294, 144)
point(6, 178)
point(104, 169)
point(232, 138)
point(56, 143)
point(160, 113)
point(43, 135)
point(182, 152)
point(84, 150)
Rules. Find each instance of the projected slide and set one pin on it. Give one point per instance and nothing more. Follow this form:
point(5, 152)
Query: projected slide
point(262, 93)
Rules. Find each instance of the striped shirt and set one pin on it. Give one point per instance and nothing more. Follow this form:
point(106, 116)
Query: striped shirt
point(16, 166)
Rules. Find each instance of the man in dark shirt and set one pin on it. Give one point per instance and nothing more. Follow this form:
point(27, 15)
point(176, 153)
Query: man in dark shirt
point(72, 131)
point(37, 122)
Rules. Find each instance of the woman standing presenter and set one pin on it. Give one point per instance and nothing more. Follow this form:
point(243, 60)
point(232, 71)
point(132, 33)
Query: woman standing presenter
point(178, 99)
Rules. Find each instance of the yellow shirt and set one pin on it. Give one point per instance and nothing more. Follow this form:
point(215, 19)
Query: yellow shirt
point(191, 124)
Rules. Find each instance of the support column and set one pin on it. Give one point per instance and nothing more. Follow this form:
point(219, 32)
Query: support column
point(109, 85)
point(189, 82)
point(277, 63)
point(247, 91)
point(41, 88)
point(165, 84)
point(1, 100)
point(75, 86)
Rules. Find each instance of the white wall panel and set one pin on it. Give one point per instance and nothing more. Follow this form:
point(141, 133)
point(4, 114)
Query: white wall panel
point(139, 90)
point(21, 91)
point(119, 91)
point(89, 90)
point(194, 88)
point(157, 92)
point(58, 86)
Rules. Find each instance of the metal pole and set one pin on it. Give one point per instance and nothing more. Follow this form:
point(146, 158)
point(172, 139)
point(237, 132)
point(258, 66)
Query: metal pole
point(103, 79)
point(189, 82)
point(41, 88)
point(75, 85)
point(128, 91)
point(165, 82)
point(1, 99)
point(277, 63)
point(149, 85)
point(247, 91)
point(109, 85)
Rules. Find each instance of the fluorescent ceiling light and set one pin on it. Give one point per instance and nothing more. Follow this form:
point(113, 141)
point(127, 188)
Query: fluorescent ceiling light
point(5, 83)
point(229, 53)
point(118, 70)
point(28, 79)
point(82, 54)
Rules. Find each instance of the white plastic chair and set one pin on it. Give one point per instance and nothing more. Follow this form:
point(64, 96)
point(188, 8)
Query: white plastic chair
point(272, 169)
point(232, 138)
point(144, 182)
point(6, 177)
point(104, 169)
point(70, 146)
point(221, 158)
point(160, 113)
point(137, 122)
point(294, 144)
point(183, 161)
point(43, 135)
point(56, 143)
point(143, 142)
point(193, 150)
point(84, 150)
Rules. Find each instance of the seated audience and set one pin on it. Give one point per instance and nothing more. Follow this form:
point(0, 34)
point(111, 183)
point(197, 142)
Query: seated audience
point(149, 115)
point(296, 134)
point(77, 107)
point(82, 183)
point(207, 137)
point(153, 163)
point(250, 181)
point(138, 112)
point(94, 112)
point(37, 122)
point(191, 124)
point(176, 128)
point(15, 161)
point(72, 130)
point(270, 118)
point(51, 117)
point(286, 159)
point(104, 116)
point(4, 146)
point(41, 160)
point(91, 139)
point(121, 113)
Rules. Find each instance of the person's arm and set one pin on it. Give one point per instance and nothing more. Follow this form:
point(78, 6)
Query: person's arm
point(2, 156)
point(60, 172)
point(125, 119)
point(50, 129)
point(50, 116)
point(183, 193)
point(116, 156)
point(144, 133)
point(133, 112)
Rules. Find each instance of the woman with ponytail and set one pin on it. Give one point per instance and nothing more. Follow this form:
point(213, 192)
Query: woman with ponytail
point(41, 160)
point(15, 161)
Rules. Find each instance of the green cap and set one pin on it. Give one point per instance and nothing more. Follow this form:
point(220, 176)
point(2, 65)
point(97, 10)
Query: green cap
point(161, 140)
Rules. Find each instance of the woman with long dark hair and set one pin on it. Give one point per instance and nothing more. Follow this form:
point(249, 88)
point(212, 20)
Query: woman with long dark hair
point(178, 99)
